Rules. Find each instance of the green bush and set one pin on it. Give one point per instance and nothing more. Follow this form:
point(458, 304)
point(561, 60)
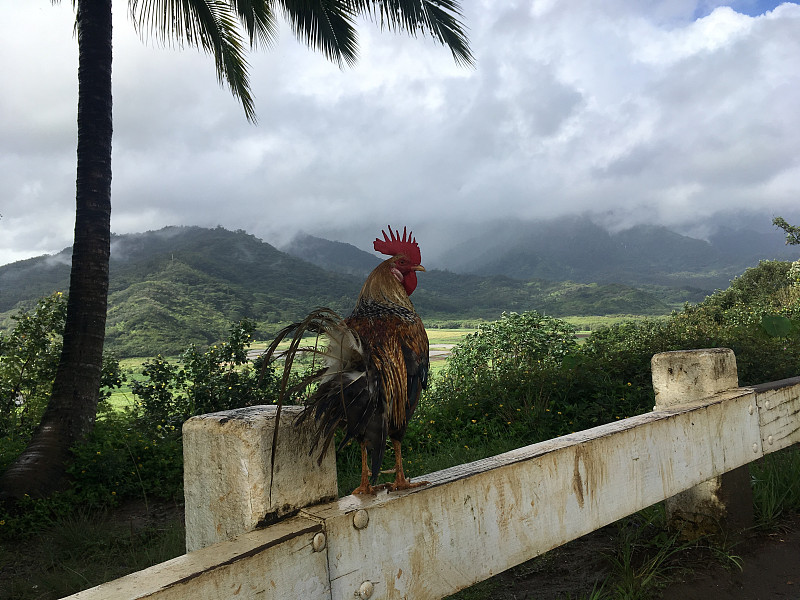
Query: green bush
point(28, 360)
point(524, 379)
point(138, 452)
point(496, 382)
point(219, 378)
point(29, 357)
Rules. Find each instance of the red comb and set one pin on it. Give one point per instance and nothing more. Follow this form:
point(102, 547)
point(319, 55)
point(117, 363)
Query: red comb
point(393, 244)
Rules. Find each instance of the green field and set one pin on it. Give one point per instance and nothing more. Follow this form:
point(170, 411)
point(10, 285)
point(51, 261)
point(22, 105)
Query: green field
point(448, 336)
point(132, 367)
point(589, 323)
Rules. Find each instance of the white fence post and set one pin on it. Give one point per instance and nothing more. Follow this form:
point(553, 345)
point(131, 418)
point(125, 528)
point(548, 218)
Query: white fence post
point(684, 377)
point(227, 480)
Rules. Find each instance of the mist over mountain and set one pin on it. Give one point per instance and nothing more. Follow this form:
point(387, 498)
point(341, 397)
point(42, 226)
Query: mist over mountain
point(578, 249)
point(332, 256)
point(182, 285)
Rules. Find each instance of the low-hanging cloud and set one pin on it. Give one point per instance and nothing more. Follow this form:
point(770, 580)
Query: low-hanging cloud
point(636, 112)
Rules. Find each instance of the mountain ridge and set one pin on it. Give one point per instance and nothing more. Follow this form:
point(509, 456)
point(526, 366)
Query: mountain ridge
point(181, 285)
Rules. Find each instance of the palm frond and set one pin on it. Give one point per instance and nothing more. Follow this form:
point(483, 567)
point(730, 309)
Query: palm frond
point(211, 25)
point(441, 19)
point(325, 25)
point(258, 19)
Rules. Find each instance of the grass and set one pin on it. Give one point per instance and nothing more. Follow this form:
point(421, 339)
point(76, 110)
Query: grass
point(448, 336)
point(84, 550)
point(776, 485)
point(122, 397)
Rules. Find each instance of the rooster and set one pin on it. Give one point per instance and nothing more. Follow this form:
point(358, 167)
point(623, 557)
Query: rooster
point(375, 364)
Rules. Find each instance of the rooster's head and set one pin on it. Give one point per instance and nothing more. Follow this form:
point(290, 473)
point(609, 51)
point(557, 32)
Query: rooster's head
point(405, 261)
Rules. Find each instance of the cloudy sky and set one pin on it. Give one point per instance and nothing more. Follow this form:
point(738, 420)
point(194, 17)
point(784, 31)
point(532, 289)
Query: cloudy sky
point(630, 110)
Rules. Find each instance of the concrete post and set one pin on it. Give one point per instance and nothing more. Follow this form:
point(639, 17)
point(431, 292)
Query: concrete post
point(683, 377)
point(227, 472)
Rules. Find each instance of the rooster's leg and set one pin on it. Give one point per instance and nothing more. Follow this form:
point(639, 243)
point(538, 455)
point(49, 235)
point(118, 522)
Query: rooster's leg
point(365, 487)
point(400, 481)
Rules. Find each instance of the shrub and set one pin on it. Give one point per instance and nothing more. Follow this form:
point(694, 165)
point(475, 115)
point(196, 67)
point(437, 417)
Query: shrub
point(524, 379)
point(496, 381)
point(29, 357)
point(138, 452)
point(219, 378)
point(28, 361)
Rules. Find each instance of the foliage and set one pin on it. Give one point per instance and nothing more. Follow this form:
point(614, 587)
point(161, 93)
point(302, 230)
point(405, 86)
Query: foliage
point(496, 381)
point(183, 285)
point(125, 456)
point(83, 549)
point(794, 274)
point(29, 356)
point(219, 378)
point(792, 231)
point(641, 561)
point(28, 360)
point(776, 485)
point(142, 451)
point(792, 238)
point(524, 379)
point(733, 318)
point(138, 453)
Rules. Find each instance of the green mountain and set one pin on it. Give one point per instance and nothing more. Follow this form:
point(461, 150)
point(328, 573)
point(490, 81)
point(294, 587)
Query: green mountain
point(26, 280)
point(645, 256)
point(180, 285)
point(183, 285)
point(332, 256)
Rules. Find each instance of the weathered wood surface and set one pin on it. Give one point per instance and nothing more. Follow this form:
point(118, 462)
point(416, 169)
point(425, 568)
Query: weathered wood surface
point(478, 519)
point(779, 413)
point(229, 485)
point(259, 564)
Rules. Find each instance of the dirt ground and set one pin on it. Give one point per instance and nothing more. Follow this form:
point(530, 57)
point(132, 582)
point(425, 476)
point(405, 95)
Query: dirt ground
point(770, 571)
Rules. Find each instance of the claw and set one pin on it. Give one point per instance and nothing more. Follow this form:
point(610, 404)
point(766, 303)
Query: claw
point(365, 489)
point(400, 481)
point(406, 484)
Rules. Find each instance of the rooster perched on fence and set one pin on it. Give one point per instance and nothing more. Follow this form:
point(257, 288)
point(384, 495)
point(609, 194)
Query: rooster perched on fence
point(375, 364)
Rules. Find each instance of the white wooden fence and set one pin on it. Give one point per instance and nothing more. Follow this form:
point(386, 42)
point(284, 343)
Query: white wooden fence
point(473, 520)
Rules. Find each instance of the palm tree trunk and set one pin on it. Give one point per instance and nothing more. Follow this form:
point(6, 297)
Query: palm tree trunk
point(70, 414)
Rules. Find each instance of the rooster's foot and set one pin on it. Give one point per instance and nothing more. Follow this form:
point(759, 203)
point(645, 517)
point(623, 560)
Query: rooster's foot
point(405, 484)
point(365, 489)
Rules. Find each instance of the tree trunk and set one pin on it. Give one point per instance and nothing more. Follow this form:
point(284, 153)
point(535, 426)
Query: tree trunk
point(70, 414)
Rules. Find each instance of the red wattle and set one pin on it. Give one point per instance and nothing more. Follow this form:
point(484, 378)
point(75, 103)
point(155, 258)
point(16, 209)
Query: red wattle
point(410, 282)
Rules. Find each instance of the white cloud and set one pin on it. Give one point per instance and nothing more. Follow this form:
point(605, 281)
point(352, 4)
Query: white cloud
point(641, 111)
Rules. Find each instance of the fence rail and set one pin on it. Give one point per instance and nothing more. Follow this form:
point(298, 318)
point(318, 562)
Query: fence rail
point(473, 520)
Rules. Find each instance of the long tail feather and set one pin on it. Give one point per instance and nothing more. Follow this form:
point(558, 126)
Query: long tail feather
point(319, 321)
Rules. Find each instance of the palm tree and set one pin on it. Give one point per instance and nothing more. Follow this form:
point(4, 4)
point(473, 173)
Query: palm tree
point(225, 29)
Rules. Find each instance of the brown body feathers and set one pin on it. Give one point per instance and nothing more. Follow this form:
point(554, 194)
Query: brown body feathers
point(376, 363)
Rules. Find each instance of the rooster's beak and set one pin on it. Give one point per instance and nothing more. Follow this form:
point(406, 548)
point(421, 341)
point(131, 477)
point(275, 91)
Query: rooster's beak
point(418, 268)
